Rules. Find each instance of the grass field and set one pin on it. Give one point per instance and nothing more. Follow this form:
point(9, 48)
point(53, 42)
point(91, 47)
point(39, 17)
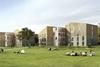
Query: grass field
point(41, 57)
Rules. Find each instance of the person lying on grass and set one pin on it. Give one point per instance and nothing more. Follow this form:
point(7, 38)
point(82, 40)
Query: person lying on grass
point(91, 53)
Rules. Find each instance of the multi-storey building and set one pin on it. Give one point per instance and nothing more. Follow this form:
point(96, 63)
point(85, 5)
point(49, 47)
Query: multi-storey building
point(9, 39)
point(53, 36)
point(82, 34)
point(98, 37)
point(74, 34)
point(2, 39)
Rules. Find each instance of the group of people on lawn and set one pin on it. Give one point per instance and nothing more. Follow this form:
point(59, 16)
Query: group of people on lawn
point(90, 53)
point(20, 51)
point(52, 49)
point(72, 53)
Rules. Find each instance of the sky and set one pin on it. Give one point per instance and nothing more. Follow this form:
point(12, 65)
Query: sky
point(37, 14)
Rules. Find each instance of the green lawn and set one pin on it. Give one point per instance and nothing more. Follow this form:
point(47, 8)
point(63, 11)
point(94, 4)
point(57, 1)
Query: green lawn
point(41, 57)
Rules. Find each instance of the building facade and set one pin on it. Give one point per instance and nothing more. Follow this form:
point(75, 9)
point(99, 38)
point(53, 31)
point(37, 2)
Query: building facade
point(46, 36)
point(9, 39)
point(53, 36)
point(82, 34)
point(2, 39)
point(98, 37)
point(60, 36)
point(73, 34)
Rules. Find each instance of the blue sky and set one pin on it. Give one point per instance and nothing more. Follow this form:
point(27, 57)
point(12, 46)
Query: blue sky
point(36, 14)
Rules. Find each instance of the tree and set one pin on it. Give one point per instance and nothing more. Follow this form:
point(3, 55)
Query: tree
point(36, 39)
point(25, 35)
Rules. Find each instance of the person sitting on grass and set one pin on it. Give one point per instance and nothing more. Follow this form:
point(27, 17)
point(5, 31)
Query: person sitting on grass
point(54, 49)
point(84, 53)
point(76, 54)
point(72, 53)
point(49, 49)
point(22, 51)
point(67, 54)
point(91, 53)
point(1, 50)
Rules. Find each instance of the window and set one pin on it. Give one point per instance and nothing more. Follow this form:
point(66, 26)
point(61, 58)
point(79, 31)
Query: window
point(55, 28)
point(59, 33)
point(77, 38)
point(43, 39)
point(82, 43)
point(55, 38)
point(71, 44)
point(83, 38)
point(99, 35)
point(77, 34)
point(72, 39)
point(92, 31)
point(77, 43)
point(53, 33)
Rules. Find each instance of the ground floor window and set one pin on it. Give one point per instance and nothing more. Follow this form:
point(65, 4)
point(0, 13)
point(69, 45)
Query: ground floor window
point(72, 39)
point(77, 43)
point(82, 43)
point(71, 43)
